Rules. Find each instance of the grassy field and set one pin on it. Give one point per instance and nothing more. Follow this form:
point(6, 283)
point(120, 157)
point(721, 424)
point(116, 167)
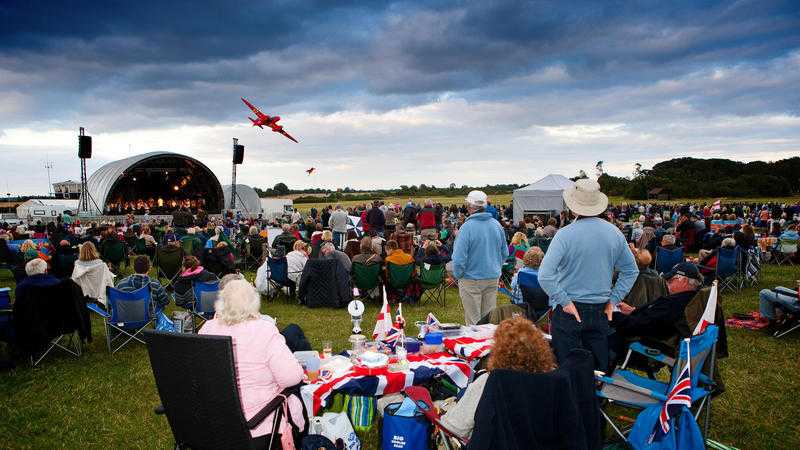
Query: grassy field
point(106, 401)
point(504, 199)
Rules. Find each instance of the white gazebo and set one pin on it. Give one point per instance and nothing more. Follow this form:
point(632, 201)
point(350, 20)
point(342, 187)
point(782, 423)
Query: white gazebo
point(542, 197)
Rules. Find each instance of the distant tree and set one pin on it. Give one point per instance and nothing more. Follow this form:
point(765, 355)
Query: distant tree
point(281, 189)
point(452, 186)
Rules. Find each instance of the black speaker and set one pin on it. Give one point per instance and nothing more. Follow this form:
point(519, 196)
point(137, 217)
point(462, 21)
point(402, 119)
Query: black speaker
point(84, 147)
point(238, 154)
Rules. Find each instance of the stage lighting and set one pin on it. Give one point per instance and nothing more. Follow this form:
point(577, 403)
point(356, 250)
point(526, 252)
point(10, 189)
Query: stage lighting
point(175, 188)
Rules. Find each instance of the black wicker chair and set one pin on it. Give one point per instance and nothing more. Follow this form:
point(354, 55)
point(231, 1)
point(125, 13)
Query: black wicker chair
point(196, 381)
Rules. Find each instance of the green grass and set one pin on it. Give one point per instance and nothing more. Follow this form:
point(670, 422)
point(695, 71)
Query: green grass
point(106, 401)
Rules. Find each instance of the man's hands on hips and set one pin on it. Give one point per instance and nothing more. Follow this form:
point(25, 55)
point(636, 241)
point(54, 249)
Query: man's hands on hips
point(570, 309)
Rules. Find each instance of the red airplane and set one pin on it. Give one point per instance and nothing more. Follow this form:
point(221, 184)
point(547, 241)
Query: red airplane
point(309, 171)
point(264, 119)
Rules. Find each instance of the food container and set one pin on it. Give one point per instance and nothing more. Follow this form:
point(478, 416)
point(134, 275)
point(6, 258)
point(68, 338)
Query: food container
point(412, 345)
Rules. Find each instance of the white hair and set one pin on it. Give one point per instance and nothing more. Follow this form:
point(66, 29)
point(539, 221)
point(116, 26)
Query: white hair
point(328, 246)
point(36, 266)
point(238, 302)
point(669, 239)
point(729, 242)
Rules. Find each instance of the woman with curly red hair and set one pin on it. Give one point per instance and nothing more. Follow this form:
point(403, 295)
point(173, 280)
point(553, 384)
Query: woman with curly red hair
point(519, 346)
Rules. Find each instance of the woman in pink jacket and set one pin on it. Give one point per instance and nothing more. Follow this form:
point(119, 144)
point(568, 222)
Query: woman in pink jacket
point(264, 364)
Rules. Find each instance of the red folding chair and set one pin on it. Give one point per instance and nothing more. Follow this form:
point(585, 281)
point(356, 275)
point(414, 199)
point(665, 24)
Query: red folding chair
point(422, 398)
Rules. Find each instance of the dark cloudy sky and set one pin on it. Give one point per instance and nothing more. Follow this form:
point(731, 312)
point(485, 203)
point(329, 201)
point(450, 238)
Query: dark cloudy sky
point(388, 93)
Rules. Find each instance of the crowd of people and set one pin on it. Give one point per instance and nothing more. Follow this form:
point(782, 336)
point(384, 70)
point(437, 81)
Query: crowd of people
point(593, 267)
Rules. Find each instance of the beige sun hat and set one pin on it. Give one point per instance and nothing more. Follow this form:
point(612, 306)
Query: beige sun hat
point(585, 199)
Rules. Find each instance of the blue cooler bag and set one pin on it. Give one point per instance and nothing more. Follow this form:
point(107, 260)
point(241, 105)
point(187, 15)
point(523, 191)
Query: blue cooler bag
point(404, 431)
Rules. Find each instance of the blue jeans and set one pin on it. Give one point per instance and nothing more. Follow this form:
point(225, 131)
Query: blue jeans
point(338, 239)
point(590, 334)
point(769, 299)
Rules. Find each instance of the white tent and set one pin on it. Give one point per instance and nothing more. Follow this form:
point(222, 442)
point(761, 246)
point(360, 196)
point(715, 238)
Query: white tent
point(247, 200)
point(542, 197)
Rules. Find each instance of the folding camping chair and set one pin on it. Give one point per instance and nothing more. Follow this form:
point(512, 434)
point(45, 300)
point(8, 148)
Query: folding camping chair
point(253, 252)
point(115, 252)
point(752, 267)
point(432, 279)
point(422, 398)
point(130, 314)
point(366, 278)
point(44, 320)
point(205, 295)
point(168, 263)
point(399, 275)
point(666, 259)
point(728, 270)
point(533, 295)
point(279, 276)
point(197, 382)
point(785, 250)
point(507, 271)
point(628, 389)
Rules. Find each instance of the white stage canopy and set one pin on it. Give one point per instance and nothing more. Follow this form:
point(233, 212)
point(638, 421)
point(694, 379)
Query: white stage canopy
point(541, 197)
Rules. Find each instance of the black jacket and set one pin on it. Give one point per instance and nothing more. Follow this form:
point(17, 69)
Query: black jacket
point(324, 282)
point(45, 312)
point(536, 411)
point(183, 293)
point(660, 319)
point(376, 219)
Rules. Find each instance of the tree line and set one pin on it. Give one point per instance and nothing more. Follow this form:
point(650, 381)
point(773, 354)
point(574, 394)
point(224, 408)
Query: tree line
point(681, 177)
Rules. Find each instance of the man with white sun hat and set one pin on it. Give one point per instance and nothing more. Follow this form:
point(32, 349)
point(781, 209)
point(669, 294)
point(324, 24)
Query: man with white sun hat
point(577, 274)
point(479, 252)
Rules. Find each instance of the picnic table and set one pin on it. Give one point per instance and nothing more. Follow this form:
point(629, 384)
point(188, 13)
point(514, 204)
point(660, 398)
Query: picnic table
point(359, 380)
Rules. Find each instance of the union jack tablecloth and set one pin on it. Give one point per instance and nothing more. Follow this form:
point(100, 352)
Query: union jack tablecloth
point(374, 382)
point(469, 347)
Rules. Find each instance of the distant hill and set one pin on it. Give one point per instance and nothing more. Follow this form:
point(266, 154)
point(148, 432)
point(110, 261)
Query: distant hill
point(693, 178)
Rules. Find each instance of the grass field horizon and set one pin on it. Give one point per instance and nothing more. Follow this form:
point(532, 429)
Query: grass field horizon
point(504, 199)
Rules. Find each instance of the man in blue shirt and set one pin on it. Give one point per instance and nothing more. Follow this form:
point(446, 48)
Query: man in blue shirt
point(577, 274)
point(478, 256)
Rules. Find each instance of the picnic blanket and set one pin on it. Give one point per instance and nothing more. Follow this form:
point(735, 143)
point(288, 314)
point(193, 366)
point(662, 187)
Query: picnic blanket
point(374, 382)
point(751, 321)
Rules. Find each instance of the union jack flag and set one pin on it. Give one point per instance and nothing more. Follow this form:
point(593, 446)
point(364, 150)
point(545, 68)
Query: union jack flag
point(680, 395)
point(431, 320)
point(392, 336)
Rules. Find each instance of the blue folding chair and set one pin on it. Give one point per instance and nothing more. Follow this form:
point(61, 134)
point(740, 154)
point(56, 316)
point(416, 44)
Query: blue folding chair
point(130, 313)
point(728, 270)
point(666, 259)
point(628, 389)
point(533, 294)
point(279, 275)
point(205, 295)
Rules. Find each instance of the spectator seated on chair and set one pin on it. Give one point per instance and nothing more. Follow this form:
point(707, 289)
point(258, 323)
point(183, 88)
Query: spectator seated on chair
point(745, 238)
point(518, 246)
point(91, 273)
point(518, 346)
point(668, 242)
point(264, 363)
point(661, 318)
point(432, 253)
point(63, 262)
point(550, 229)
point(368, 256)
point(141, 267)
point(149, 241)
point(286, 240)
point(36, 271)
point(532, 259)
point(777, 305)
point(395, 255)
point(790, 234)
point(328, 251)
point(405, 237)
point(30, 251)
point(191, 271)
point(192, 245)
point(221, 259)
point(708, 259)
point(648, 285)
point(296, 260)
